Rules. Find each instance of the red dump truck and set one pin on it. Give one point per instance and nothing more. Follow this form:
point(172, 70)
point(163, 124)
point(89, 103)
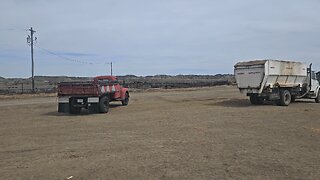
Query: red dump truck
point(93, 95)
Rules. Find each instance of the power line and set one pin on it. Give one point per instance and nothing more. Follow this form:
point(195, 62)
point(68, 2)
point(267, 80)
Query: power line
point(75, 60)
point(64, 57)
point(13, 29)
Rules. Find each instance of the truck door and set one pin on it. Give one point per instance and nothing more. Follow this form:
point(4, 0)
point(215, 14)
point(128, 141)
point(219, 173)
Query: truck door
point(314, 82)
point(117, 93)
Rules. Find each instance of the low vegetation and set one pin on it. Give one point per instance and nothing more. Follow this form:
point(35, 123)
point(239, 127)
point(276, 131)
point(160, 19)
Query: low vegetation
point(49, 83)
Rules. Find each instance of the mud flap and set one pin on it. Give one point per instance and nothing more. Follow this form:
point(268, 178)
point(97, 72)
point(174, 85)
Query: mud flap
point(93, 108)
point(63, 107)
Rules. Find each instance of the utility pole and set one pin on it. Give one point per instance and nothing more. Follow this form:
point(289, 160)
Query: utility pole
point(111, 68)
point(30, 40)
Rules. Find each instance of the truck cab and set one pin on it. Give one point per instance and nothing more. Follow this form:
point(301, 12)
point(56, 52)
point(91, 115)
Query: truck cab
point(314, 84)
point(116, 87)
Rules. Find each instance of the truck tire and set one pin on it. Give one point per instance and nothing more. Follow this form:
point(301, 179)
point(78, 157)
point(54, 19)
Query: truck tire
point(104, 104)
point(253, 99)
point(285, 98)
point(318, 97)
point(74, 110)
point(126, 100)
point(256, 100)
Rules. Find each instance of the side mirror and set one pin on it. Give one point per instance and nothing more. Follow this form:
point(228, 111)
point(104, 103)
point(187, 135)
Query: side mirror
point(313, 75)
point(318, 76)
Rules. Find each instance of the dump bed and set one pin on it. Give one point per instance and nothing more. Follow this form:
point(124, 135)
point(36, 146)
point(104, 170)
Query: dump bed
point(77, 88)
point(256, 75)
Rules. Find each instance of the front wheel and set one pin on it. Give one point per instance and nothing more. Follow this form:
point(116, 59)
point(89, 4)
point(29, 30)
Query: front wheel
point(104, 104)
point(318, 97)
point(125, 101)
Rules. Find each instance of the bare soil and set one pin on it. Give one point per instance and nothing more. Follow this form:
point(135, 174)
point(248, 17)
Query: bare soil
point(201, 133)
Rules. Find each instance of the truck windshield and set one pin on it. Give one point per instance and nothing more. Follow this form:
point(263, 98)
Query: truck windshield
point(103, 81)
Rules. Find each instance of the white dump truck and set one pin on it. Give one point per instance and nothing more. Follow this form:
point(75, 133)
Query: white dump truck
point(276, 80)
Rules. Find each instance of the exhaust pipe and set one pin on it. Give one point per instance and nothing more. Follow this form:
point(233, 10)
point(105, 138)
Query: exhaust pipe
point(310, 75)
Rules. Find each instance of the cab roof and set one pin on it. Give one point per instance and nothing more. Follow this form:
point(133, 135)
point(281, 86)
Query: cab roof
point(111, 78)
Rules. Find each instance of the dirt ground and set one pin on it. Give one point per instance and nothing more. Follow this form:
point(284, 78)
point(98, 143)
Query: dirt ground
point(204, 133)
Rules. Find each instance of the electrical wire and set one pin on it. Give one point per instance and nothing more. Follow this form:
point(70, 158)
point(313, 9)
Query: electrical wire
point(64, 57)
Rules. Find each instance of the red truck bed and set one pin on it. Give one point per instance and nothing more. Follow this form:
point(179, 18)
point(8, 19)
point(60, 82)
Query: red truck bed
point(77, 88)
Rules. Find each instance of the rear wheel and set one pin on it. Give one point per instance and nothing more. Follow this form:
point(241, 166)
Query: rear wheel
point(126, 100)
point(318, 97)
point(104, 104)
point(255, 99)
point(285, 98)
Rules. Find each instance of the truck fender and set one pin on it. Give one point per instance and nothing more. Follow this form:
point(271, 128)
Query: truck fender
point(317, 91)
point(123, 93)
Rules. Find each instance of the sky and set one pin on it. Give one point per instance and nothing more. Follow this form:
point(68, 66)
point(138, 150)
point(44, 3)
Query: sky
point(150, 37)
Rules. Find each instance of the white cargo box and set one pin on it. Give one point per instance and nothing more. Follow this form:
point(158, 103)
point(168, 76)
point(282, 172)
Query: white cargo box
point(254, 76)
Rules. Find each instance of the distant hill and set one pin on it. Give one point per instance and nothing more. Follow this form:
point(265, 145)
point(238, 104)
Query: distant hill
point(2, 81)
